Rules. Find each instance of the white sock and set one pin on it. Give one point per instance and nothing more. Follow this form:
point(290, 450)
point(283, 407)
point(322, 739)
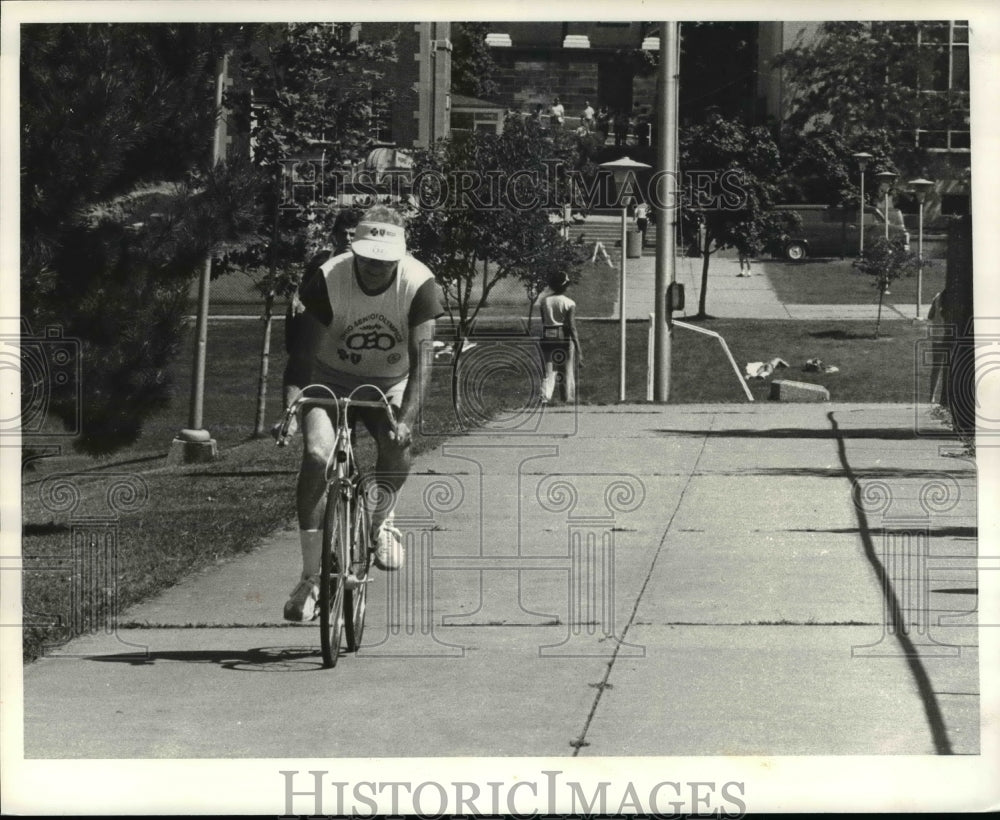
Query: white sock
point(312, 550)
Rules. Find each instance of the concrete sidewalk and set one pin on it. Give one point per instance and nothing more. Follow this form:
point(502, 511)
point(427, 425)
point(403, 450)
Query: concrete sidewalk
point(732, 296)
point(638, 580)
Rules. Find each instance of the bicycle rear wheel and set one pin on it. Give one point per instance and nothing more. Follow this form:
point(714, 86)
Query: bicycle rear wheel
point(331, 585)
point(356, 592)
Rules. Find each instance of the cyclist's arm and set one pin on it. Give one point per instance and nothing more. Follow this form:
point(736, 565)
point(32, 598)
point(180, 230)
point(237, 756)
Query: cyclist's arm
point(301, 331)
point(421, 337)
point(312, 292)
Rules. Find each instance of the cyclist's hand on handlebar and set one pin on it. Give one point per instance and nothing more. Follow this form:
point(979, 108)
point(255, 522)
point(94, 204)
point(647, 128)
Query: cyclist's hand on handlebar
point(284, 428)
point(401, 433)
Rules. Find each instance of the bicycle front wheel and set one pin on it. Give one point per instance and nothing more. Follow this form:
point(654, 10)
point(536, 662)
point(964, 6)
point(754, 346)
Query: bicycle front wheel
point(356, 592)
point(331, 585)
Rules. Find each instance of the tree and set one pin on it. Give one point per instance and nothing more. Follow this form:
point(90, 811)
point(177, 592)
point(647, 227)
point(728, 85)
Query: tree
point(886, 261)
point(821, 166)
point(486, 200)
point(120, 206)
point(309, 95)
point(472, 65)
point(872, 81)
point(731, 173)
point(712, 85)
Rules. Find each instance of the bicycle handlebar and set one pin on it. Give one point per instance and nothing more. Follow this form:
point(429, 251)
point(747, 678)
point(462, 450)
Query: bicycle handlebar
point(341, 403)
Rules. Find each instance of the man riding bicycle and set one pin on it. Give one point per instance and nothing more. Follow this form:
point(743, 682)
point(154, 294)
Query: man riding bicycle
point(299, 325)
point(376, 307)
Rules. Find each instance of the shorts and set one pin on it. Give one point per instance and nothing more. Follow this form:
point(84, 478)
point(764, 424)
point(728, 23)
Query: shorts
point(373, 418)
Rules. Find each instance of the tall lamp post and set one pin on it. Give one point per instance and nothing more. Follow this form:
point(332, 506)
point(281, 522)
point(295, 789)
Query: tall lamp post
point(862, 159)
point(920, 187)
point(885, 179)
point(666, 237)
point(194, 443)
point(622, 169)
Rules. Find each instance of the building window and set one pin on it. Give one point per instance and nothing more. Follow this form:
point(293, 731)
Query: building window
point(946, 70)
point(381, 119)
point(486, 121)
point(960, 66)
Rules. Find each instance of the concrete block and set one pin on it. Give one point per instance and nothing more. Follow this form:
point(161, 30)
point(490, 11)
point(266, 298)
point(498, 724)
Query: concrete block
point(787, 390)
point(191, 452)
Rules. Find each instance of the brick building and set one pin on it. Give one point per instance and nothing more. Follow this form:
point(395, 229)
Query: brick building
point(420, 79)
point(948, 143)
point(725, 66)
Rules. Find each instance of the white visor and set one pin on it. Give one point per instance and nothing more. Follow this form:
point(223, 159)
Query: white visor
point(380, 240)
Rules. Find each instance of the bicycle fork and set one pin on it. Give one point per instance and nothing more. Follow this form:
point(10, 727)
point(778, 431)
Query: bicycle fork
point(350, 495)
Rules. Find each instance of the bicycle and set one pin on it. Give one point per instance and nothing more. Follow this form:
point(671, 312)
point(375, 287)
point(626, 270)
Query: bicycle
point(347, 552)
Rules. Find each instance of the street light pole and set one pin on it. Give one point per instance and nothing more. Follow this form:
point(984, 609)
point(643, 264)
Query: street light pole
point(862, 159)
point(920, 188)
point(622, 169)
point(666, 253)
point(621, 306)
point(885, 179)
point(194, 443)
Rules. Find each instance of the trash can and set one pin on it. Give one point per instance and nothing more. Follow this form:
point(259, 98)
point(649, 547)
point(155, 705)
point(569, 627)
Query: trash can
point(633, 244)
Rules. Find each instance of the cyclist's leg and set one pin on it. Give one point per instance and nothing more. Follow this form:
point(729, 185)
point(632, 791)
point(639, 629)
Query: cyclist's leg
point(319, 438)
point(392, 467)
point(318, 441)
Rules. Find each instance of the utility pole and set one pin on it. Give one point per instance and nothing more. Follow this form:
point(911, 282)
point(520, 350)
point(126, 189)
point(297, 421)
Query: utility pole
point(668, 190)
point(194, 443)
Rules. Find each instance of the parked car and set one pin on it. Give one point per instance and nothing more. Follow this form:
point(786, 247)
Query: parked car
point(828, 231)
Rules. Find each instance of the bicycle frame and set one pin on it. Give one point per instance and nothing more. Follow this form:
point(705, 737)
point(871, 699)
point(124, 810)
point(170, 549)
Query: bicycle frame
point(346, 553)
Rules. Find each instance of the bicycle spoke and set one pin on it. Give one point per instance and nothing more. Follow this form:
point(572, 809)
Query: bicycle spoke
point(356, 595)
point(331, 588)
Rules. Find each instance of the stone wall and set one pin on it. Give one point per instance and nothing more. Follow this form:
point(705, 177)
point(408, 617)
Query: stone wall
point(526, 80)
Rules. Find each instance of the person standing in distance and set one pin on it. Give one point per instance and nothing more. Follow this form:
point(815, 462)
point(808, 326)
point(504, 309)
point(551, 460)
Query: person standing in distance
point(377, 307)
point(560, 343)
point(557, 112)
point(642, 219)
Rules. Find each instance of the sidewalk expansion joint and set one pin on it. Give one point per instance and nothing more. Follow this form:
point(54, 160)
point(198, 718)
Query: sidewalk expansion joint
point(782, 622)
point(139, 627)
point(604, 683)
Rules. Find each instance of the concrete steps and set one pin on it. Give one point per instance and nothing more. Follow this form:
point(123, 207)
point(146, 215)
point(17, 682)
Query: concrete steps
point(608, 232)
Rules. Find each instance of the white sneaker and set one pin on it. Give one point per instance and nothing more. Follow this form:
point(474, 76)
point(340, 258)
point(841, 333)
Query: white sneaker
point(389, 554)
point(302, 605)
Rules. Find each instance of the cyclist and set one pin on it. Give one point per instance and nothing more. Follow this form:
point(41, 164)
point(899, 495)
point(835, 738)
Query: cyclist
point(300, 326)
point(376, 307)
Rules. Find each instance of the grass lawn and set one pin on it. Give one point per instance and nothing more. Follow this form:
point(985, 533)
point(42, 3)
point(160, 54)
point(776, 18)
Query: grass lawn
point(869, 370)
point(836, 282)
point(596, 292)
point(198, 515)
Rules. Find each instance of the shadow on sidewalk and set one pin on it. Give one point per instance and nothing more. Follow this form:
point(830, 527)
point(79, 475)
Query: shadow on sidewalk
point(833, 472)
point(883, 433)
point(260, 659)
